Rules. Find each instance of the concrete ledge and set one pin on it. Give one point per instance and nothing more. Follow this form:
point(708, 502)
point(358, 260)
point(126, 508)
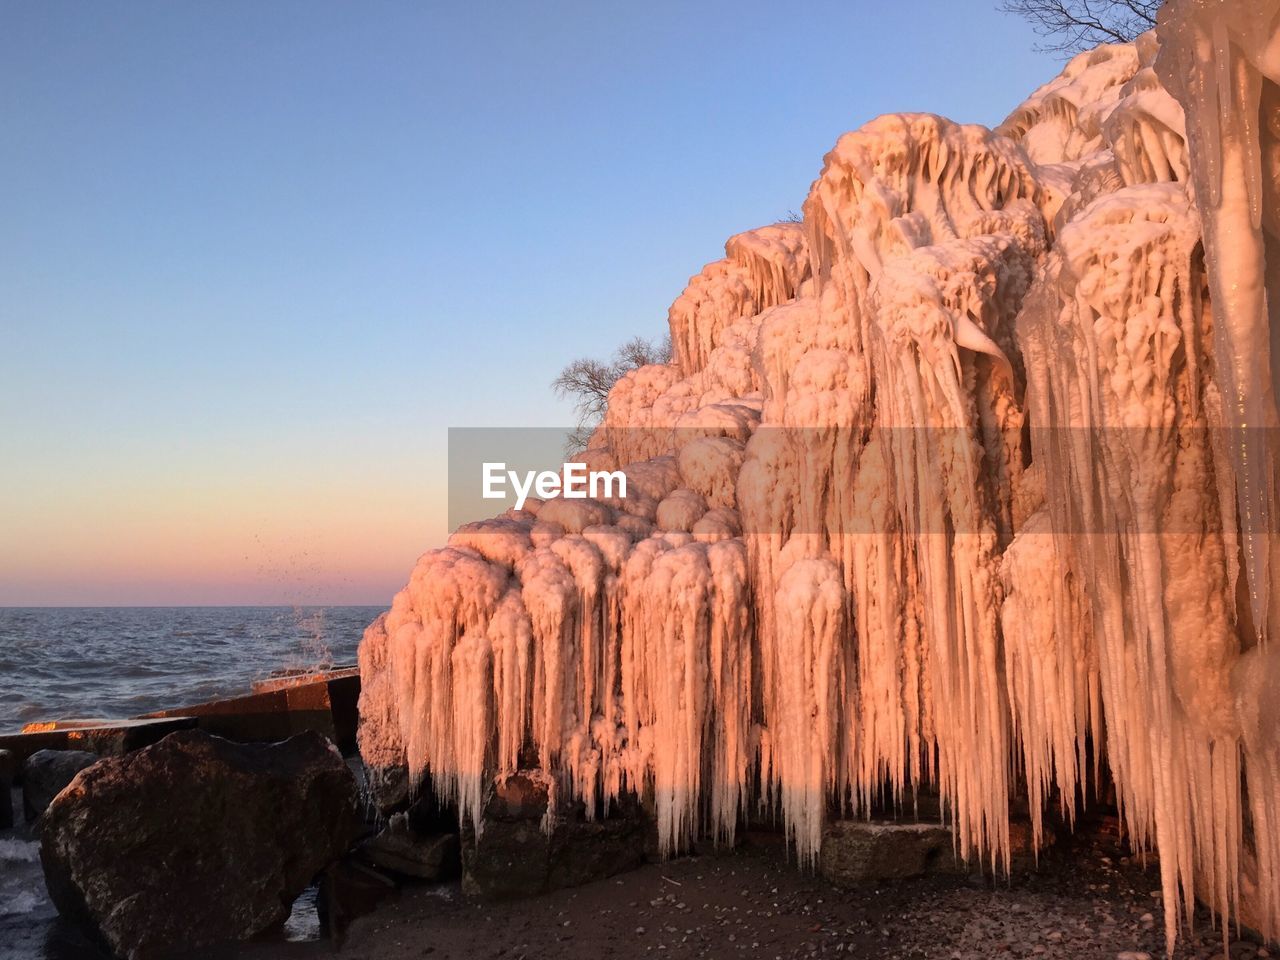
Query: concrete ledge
point(283, 681)
point(325, 703)
point(107, 738)
point(278, 708)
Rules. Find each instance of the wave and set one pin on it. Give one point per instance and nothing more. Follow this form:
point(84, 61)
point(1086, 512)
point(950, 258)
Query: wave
point(22, 902)
point(19, 851)
point(123, 662)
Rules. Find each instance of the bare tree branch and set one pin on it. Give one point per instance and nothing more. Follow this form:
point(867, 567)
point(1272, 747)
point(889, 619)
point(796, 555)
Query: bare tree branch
point(588, 382)
point(577, 439)
point(1070, 26)
point(639, 352)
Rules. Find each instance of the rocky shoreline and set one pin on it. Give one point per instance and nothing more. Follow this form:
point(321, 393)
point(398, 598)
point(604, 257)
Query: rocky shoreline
point(208, 842)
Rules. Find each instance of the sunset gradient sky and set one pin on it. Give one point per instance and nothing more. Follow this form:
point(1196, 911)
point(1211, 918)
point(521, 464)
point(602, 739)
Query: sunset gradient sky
point(255, 259)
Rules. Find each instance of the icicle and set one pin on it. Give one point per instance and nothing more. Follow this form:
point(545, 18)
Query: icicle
point(1216, 58)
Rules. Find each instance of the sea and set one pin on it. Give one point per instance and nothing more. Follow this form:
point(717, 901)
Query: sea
point(59, 663)
point(110, 662)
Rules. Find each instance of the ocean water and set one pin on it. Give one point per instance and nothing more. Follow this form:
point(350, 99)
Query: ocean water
point(63, 662)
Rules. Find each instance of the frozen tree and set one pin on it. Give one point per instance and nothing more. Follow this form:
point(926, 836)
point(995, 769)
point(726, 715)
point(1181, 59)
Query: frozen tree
point(587, 382)
point(1070, 26)
point(842, 575)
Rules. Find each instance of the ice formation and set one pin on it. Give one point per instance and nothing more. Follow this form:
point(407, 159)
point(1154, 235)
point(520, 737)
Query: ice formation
point(966, 483)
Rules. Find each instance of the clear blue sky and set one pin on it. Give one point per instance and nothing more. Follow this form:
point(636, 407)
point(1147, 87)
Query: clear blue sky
point(256, 258)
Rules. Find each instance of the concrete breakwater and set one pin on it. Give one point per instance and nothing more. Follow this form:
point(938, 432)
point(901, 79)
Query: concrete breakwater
point(274, 709)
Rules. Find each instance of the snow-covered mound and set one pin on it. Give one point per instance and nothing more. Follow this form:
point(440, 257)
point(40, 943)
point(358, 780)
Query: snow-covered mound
point(972, 469)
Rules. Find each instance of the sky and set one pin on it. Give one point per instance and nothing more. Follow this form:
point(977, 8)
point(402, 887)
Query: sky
point(256, 258)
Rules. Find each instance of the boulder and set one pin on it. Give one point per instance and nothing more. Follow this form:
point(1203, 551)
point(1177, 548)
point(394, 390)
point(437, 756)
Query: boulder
point(401, 850)
point(46, 773)
point(388, 788)
point(514, 856)
point(196, 840)
point(855, 851)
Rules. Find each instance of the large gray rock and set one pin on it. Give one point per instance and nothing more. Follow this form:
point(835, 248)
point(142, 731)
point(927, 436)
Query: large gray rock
point(854, 851)
point(403, 851)
point(196, 840)
point(46, 773)
point(513, 856)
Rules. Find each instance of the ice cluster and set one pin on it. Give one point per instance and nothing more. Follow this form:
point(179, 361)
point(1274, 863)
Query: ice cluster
point(966, 483)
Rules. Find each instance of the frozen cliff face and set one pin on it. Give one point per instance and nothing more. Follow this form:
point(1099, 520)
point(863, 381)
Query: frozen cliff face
point(960, 485)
